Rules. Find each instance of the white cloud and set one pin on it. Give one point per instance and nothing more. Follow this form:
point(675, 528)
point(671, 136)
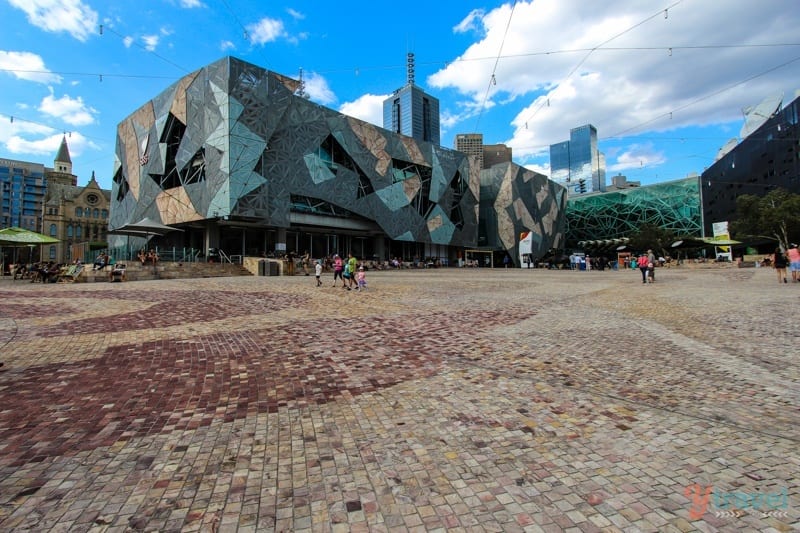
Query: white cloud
point(636, 156)
point(190, 4)
point(71, 16)
point(127, 41)
point(265, 31)
point(368, 108)
point(48, 145)
point(150, 42)
point(625, 70)
point(227, 45)
point(73, 111)
point(295, 14)
point(469, 22)
point(27, 66)
point(318, 89)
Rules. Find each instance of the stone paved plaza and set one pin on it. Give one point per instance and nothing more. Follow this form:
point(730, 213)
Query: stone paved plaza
point(439, 400)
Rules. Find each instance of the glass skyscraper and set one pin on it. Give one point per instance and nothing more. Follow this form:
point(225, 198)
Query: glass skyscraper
point(577, 164)
point(412, 112)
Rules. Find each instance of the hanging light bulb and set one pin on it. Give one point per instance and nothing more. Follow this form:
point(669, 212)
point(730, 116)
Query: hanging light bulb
point(666, 13)
point(669, 51)
point(494, 81)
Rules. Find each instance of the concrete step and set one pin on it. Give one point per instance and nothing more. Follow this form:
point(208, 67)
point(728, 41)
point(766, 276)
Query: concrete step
point(135, 271)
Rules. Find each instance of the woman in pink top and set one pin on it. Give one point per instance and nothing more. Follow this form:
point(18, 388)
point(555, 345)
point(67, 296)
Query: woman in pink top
point(794, 261)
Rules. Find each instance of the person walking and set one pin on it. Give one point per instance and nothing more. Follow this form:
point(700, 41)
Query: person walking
point(641, 262)
point(353, 263)
point(651, 266)
point(338, 267)
point(361, 279)
point(318, 272)
point(794, 261)
point(779, 263)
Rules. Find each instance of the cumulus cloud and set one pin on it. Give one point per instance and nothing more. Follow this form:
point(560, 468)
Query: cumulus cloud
point(71, 16)
point(150, 42)
point(27, 66)
point(266, 30)
point(73, 111)
point(47, 145)
point(227, 45)
point(191, 4)
point(317, 88)
point(630, 69)
point(470, 22)
point(127, 41)
point(368, 107)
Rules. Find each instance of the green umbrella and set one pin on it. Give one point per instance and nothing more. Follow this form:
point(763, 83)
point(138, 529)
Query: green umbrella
point(17, 236)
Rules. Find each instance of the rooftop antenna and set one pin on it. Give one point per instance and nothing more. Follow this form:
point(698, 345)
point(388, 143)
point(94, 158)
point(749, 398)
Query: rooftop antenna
point(410, 67)
point(301, 90)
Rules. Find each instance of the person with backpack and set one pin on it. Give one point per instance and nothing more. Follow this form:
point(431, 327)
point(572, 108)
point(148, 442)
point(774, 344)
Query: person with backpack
point(641, 262)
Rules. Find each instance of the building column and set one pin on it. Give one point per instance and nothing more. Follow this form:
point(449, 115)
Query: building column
point(379, 245)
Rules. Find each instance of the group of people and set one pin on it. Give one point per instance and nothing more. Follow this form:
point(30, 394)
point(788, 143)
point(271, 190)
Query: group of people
point(790, 258)
point(352, 275)
point(646, 263)
point(151, 256)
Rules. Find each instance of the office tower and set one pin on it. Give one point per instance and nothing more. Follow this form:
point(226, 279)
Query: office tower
point(577, 163)
point(411, 111)
point(472, 145)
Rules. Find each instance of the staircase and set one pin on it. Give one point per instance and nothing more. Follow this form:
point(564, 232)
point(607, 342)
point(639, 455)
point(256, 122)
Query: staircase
point(135, 271)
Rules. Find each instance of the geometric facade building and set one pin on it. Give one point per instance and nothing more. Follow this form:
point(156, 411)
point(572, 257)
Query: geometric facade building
point(673, 205)
point(517, 201)
point(240, 162)
point(577, 164)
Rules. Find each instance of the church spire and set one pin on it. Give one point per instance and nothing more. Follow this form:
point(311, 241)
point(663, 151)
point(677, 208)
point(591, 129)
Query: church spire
point(63, 152)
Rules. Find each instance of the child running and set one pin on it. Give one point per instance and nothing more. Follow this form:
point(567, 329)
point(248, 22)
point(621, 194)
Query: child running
point(318, 272)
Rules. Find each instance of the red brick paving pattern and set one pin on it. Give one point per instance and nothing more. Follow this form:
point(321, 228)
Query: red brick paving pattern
point(176, 384)
point(165, 308)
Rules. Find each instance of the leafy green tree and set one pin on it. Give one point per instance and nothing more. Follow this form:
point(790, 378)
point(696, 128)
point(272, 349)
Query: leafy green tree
point(655, 237)
point(776, 215)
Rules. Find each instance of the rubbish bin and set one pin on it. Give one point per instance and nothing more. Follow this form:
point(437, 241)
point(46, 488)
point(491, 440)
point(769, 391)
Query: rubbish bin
point(262, 267)
point(273, 268)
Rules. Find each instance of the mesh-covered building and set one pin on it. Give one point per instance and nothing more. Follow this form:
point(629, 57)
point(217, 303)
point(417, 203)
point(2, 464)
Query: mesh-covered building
point(233, 157)
point(673, 205)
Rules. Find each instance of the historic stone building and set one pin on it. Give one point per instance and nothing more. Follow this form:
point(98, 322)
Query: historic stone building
point(77, 216)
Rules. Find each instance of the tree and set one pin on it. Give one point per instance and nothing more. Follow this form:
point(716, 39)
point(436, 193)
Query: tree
point(776, 214)
point(651, 236)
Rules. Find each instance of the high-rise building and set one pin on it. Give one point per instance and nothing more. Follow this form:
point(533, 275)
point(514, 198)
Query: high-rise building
point(577, 164)
point(23, 185)
point(487, 155)
point(472, 145)
point(412, 112)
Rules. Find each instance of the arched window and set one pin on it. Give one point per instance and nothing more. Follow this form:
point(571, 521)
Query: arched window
point(69, 231)
point(78, 212)
point(77, 232)
point(96, 213)
point(105, 213)
point(52, 252)
point(53, 230)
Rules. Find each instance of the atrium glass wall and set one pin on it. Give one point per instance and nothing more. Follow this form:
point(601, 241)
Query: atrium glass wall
point(673, 205)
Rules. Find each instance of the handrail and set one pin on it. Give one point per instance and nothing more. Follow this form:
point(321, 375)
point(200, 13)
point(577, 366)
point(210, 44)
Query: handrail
point(224, 257)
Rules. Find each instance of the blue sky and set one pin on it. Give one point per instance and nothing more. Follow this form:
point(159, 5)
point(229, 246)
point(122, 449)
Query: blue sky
point(665, 82)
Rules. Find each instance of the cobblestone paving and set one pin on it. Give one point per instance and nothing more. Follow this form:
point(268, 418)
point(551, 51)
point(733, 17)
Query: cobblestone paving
point(439, 400)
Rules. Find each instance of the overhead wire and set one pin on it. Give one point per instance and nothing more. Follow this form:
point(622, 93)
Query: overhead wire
point(493, 79)
point(593, 49)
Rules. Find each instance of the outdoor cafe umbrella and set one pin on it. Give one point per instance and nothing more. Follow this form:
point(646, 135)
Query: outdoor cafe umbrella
point(146, 228)
point(15, 237)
